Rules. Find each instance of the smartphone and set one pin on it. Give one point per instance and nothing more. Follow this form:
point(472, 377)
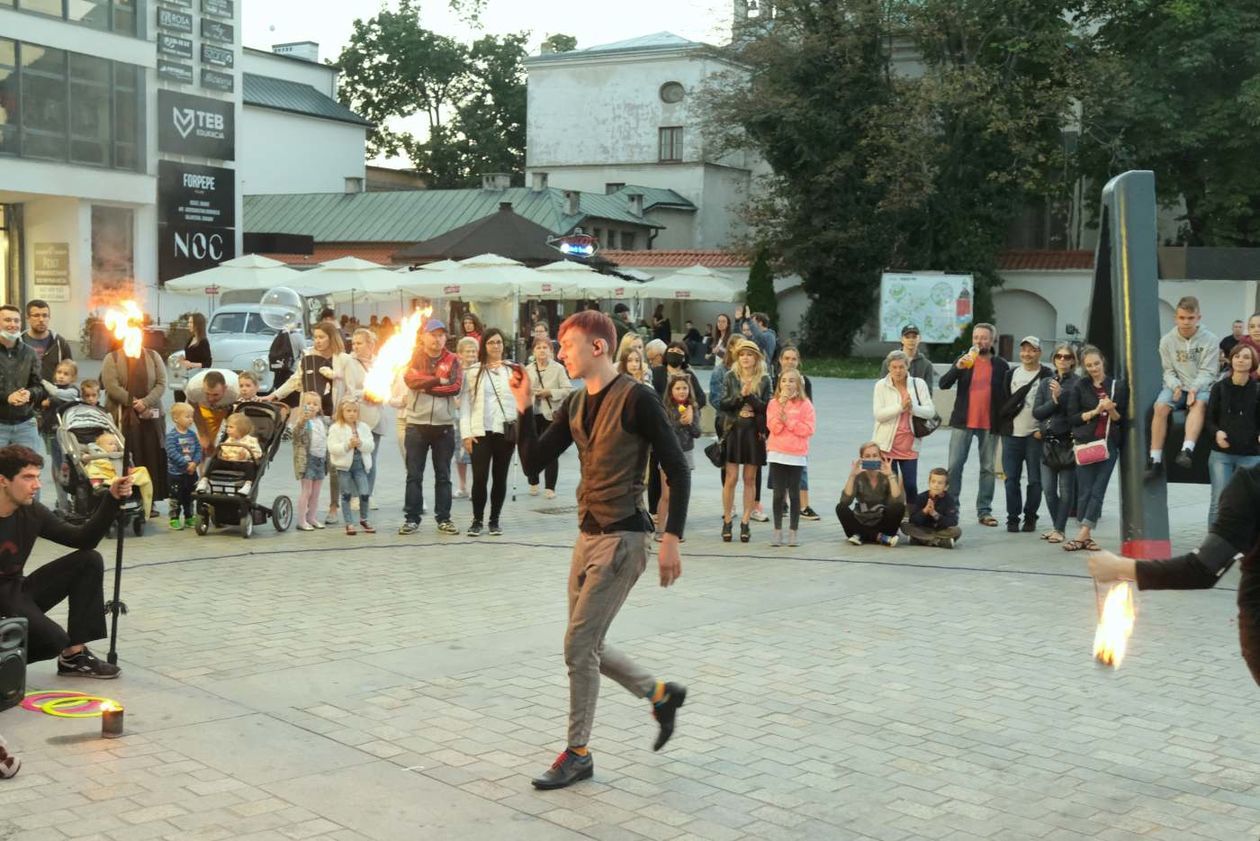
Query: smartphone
point(871, 464)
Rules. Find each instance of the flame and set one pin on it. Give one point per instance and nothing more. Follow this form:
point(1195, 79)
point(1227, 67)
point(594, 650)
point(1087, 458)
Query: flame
point(394, 356)
point(126, 326)
point(111, 707)
point(1115, 625)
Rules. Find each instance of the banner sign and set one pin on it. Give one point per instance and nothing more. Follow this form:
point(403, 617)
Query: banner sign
point(173, 46)
point(190, 195)
point(218, 8)
point(215, 30)
point(940, 305)
point(183, 251)
point(216, 81)
point(217, 56)
point(174, 71)
point(196, 125)
point(174, 20)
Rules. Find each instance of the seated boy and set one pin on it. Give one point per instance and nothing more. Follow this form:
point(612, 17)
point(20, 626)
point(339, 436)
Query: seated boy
point(934, 514)
point(1188, 355)
point(238, 446)
point(102, 470)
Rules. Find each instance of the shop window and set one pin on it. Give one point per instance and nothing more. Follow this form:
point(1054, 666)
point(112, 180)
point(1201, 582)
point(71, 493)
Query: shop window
point(43, 86)
point(8, 97)
point(108, 15)
point(113, 253)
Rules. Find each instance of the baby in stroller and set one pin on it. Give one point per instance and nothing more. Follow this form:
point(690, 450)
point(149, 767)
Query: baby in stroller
point(234, 465)
point(92, 450)
point(101, 455)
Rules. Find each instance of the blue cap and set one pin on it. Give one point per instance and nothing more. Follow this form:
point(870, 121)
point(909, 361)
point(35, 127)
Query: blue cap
point(433, 325)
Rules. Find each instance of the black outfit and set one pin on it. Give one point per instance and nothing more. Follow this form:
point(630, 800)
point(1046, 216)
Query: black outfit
point(997, 392)
point(313, 380)
point(51, 352)
point(19, 368)
point(1235, 410)
point(663, 331)
point(644, 416)
point(551, 471)
point(199, 352)
point(281, 357)
point(1234, 536)
point(77, 577)
point(1227, 344)
point(1082, 398)
point(660, 378)
point(491, 459)
point(785, 479)
point(745, 437)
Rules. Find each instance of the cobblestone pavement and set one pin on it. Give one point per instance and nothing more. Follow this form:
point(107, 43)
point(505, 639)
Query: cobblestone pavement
point(316, 685)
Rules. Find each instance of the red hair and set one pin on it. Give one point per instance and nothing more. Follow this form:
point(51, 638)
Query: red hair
point(592, 323)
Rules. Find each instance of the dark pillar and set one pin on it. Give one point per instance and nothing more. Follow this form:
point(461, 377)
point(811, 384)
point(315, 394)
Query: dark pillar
point(1124, 324)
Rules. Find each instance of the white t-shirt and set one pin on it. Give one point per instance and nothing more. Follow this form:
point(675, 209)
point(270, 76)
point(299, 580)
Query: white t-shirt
point(1025, 424)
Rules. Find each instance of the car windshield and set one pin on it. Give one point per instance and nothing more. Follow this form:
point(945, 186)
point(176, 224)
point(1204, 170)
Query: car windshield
point(239, 322)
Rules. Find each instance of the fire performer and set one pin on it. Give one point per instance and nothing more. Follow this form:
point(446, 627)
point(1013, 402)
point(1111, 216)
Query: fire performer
point(1234, 536)
point(134, 380)
point(75, 578)
point(613, 421)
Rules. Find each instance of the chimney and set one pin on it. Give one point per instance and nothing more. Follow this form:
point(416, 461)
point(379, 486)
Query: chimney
point(538, 181)
point(305, 50)
point(505, 207)
point(572, 202)
point(636, 204)
point(496, 181)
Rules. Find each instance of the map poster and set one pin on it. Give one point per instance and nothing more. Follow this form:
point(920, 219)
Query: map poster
point(940, 305)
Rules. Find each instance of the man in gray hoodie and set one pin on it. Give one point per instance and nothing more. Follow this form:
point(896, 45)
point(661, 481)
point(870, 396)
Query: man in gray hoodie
point(1188, 354)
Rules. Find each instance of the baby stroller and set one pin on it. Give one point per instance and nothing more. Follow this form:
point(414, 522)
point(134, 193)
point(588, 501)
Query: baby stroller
point(81, 425)
point(223, 497)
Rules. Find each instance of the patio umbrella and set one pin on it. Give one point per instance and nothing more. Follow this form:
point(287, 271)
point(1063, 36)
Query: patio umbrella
point(351, 279)
point(588, 283)
point(250, 271)
point(692, 284)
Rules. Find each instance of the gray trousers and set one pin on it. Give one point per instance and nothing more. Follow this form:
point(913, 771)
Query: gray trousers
point(604, 570)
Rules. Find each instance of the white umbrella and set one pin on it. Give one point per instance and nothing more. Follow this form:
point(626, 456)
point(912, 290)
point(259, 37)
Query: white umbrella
point(351, 279)
point(439, 266)
point(693, 284)
point(588, 283)
point(250, 271)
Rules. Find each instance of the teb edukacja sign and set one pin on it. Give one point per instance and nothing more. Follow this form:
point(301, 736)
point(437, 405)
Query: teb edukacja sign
point(196, 125)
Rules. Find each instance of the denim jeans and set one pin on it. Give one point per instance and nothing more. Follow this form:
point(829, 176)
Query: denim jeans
point(908, 469)
point(959, 449)
point(1091, 487)
point(1221, 468)
point(1020, 455)
point(1060, 490)
point(25, 433)
point(419, 440)
point(355, 481)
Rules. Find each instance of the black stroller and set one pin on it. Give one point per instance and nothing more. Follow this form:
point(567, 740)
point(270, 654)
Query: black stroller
point(80, 425)
point(227, 495)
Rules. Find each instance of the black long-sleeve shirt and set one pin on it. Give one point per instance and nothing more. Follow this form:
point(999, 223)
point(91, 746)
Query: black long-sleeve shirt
point(19, 368)
point(645, 417)
point(20, 530)
point(1235, 410)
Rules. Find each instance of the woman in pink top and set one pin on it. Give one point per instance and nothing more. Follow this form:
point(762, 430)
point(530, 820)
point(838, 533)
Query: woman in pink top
point(790, 421)
point(898, 398)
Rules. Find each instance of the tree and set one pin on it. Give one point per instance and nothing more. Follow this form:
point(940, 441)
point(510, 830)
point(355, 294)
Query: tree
point(560, 44)
point(760, 295)
point(1180, 96)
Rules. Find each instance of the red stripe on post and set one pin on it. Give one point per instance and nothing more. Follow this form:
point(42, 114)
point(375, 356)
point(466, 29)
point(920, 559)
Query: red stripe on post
point(1147, 550)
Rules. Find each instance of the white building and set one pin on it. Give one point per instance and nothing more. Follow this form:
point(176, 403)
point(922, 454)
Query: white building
point(608, 117)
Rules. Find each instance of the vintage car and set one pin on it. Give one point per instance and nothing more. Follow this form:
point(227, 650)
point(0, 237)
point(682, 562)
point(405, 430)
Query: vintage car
point(239, 341)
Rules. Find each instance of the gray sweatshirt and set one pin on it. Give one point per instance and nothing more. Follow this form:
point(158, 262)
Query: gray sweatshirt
point(1189, 363)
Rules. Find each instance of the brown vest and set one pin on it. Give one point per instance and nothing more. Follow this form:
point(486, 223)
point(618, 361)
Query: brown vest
point(614, 461)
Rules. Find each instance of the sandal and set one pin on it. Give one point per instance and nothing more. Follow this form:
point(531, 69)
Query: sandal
point(745, 533)
point(1073, 546)
point(1054, 537)
point(1092, 546)
point(726, 531)
point(988, 520)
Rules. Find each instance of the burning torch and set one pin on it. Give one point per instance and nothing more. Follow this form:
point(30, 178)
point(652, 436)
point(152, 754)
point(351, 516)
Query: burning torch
point(1117, 606)
point(127, 326)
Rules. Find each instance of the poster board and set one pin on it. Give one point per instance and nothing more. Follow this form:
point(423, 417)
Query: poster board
point(940, 305)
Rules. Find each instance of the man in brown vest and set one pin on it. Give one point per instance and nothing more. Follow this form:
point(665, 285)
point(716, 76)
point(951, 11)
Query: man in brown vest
point(614, 421)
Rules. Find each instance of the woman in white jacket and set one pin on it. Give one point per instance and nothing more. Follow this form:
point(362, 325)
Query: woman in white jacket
point(350, 446)
point(900, 397)
point(487, 418)
point(550, 386)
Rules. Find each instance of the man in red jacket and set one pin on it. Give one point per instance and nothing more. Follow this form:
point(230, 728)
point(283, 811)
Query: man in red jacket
point(434, 377)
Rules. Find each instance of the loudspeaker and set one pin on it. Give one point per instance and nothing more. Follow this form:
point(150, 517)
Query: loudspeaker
point(12, 661)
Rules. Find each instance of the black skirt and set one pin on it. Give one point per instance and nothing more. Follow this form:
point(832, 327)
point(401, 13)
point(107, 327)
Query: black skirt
point(744, 442)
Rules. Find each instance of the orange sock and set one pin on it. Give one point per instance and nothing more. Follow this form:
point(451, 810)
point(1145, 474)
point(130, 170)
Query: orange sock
point(659, 694)
point(582, 751)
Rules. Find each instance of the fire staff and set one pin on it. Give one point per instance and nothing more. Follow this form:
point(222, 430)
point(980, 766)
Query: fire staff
point(1234, 536)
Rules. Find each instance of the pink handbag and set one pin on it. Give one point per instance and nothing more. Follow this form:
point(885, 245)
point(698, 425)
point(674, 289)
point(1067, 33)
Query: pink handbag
point(1093, 452)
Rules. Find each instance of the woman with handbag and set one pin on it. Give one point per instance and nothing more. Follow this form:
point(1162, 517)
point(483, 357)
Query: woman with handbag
point(1096, 405)
point(487, 424)
point(1058, 465)
point(900, 400)
point(550, 385)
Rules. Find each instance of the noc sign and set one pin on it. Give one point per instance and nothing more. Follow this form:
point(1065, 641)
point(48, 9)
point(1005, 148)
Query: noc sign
point(196, 125)
point(183, 250)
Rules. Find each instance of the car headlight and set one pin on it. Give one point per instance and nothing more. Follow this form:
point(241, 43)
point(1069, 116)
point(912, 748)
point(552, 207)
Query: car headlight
point(260, 365)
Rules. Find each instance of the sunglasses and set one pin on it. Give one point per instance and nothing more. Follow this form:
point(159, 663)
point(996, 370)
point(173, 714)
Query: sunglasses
point(1064, 356)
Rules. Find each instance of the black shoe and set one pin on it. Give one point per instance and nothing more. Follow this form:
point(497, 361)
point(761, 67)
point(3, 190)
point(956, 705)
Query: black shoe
point(1030, 524)
point(745, 533)
point(664, 712)
point(568, 769)
point(1185, 459)
point(408, 527)
point(475, 529)
point(808, 513)
point(494, 530)
point(726, 531)
point(1153, 468)
point(85, 664)
point(1012, 526)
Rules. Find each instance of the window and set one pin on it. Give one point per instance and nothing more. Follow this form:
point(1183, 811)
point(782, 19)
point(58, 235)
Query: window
point(8, 100)
point(672, 92)
point(127, 113)
point(598, 233)
point(43, 97)
point(109, 15)
point(627, 240)
point(671, 144)
point(227, 322)
point(612, 187)
point(89, 110)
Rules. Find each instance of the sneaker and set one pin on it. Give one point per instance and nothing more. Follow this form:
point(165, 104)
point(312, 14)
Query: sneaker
point(856, 540)
point(759, 515)
point(665, 710)
point(367, 527)
point(945, 543)
point(1185, 459)
point(474, 530)
point(246, 488)
point(85, 664)
point(890, 542)
point(495, 531)
point(460, 494)
point(776, 538)
point(177, 524)
point(1012, 526)
point(10, 763)
point(191, 522)
point(1153, 468)
point(350, 530)
point(808, 513)
point(333, 516)
point(549, 494)
point(791, 538)
point(409, 527)
point(533, 490)
point(445, 527)
point(568, 769)
point(305, 527)
point(203, 485)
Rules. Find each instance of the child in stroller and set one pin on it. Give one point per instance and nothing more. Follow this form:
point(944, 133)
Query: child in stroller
point(92, 450)
point(236, 459)
point(227, 492)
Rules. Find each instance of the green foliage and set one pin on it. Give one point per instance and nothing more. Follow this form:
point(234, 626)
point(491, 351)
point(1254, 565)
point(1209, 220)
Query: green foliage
point(560, 43)
point(1179, 94)
point(760, 295)
point(471, 96)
